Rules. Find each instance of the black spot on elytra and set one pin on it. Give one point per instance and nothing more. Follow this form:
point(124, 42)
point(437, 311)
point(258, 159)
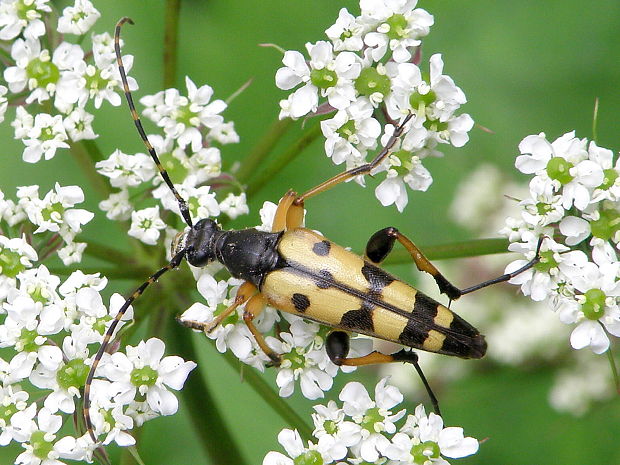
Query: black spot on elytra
point(322, 248)
point(423, 315)
point(376, 277)
point(359, 320)
point(301, 302)
point(324, 279)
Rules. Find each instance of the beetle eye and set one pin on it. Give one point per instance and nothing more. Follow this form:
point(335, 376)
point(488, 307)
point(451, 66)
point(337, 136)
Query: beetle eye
point(178, 243)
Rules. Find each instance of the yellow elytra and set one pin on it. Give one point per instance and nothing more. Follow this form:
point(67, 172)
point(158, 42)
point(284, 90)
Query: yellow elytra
point(328, 284)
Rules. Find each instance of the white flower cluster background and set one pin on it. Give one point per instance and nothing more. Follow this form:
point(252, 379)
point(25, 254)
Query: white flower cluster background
point(501, 143)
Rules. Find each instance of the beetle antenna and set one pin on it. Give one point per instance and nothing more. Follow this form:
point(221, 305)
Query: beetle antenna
point(176, 260)
point(136, 119)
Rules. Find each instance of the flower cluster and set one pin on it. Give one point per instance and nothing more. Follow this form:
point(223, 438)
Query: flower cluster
point(44, 69)
point(49, 333)
point(573, 204)
point(364, 430)
point(519, 332)
point(369, 71)
point(54, 219)
point(191, 124)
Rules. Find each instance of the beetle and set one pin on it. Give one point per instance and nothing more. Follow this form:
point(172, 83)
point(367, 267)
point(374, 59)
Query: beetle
point(299, 271)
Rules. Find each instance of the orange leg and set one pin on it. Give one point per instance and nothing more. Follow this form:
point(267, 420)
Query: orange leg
point(244, 293)
point(337, 347)
point(289, 214)
point(253, 308)
point(360, 170)
point(380, 245)
point(254, 304)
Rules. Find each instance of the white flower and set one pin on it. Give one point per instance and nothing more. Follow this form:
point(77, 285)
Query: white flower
point(423, 438)
point(347, 32)
point(126, 170)
point(303, 360)
point(16, 255)
point(144, 369)
point(55, 211)
point(392, 189)
point(400, 27)
point(234, 205)
point(609, 189)
point(292, 443)
point(562, 164)
point(78, 125)
point(558, 263)
point(44, 138)
point(182, 117)
point(335, 435)
point(117, 206)
point(351, 132)
point(102, 81)
point(94, 318)
point(375, 417)
point(39, 439)
point(66, 379)
point(598, 311)
point(16, 15)
point(201, 200)
point(267, 214)
point(23, 122)
point(79, 18)
point(146, 225)
point(72, 253)
point(13, 400)
point(331, 75)
point(44, 75)
point(224, 133)
point(433, 103)
point(3, 102)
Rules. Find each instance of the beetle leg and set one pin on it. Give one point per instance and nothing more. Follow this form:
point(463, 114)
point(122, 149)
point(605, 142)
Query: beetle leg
point(380, 245)
point(360, 170)
point(254, 304)
point(244, 293)
point(337, 347)
point(279, 219)
point(290, 209)
point(253, 308)
point(288, 214)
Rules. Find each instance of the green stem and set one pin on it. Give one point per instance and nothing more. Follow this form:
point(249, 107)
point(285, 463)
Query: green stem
point(595, 121)
point(282, 160)
point(260, 151)
point(93, 150)
point(84, 159)
point(209, 425)
point(108, 254)
point(5, 54)
point(455, 250)
point(271, 397)
point(170, 41)
point(614, 370)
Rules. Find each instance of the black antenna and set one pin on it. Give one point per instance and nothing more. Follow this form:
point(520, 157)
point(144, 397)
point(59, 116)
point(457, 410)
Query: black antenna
point(176, 260)
point(138, 123)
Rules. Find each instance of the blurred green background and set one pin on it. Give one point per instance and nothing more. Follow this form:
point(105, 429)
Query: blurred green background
point(526, 67)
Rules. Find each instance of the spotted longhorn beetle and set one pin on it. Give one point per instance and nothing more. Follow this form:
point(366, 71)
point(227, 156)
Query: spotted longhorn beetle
point(299, 271)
